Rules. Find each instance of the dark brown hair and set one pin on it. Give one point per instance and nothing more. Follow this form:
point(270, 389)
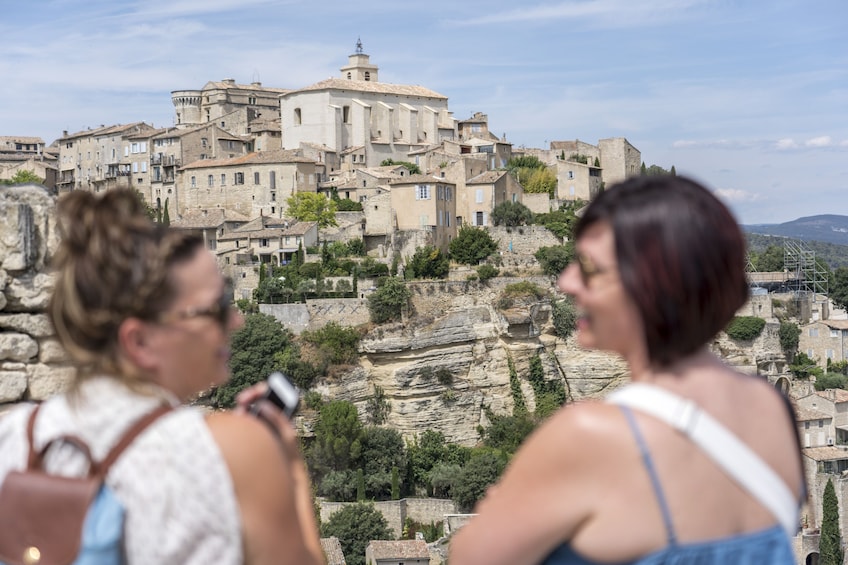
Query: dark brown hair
point(681, 258)
point(113, 263)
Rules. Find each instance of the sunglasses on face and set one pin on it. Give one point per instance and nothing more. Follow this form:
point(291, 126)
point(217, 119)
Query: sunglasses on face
point(588, 269)
point(220, 311)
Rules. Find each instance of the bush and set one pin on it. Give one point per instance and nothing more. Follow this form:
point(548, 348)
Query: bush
point(789, 333)
point(486, 272)
point(515, 291)
point(554, 259)
point(745, 327)
point(564, 317)
point(472, 245)
point(511, 214)
point(428, 262)
point(356, 525)
point(387, 302)
point(340, 341)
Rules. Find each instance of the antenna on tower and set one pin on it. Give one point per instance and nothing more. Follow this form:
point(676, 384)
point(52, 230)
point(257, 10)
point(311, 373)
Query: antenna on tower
point(358, 45)
point(255, 78)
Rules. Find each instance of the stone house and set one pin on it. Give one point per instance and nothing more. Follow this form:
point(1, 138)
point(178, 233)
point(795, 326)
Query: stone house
point(402, 552)
point(364, 120)
point(218, 100)
point(427, 203)
point(270, 240)
point(104, 158)
point(482, 194)
point(19, 153)
point(815, 427)
point(577, 181)
point(825, 339)
point(211, 222)
point(619, 159)
point(255, 184)
point(834, 404)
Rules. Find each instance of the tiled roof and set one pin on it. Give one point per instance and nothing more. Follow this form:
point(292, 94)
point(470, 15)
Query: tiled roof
point(227, 85)
point(105, 130)
point(403, 549)
point(807, 414)
point(265, 226)
point(413, 179)
point(332, 548)
point(835, 395)
point(836, 324)
point(374, 87)
point(829, 453)
point(487, 177)
point(20, 139)
point(255, 158)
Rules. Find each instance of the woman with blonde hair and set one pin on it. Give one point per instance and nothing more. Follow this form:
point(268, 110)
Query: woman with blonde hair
point(693, 462)
point(146, 316)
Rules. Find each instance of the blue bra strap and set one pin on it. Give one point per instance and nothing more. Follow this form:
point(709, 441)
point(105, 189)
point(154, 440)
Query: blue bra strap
point(652, 472)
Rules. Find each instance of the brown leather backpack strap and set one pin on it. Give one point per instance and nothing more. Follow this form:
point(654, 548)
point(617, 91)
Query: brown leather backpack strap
point(33, 457)
point(130, 435)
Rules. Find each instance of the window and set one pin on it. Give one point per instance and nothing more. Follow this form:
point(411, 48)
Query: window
point(238, 178)
point(821, 423)
point(479, 197)
point(135, 167)
point(272, 178)
point(297, 117)
point(231, 144)
point(345, 114)
point(514, 198)
point(204, 142)
point(194, 182)
point(144, 166)
point(829, 353)
point(570, 175)
point(348, 76)
point(273, 197)
point(834, 333)
point(255, 178)
point(478, 220)
point(251, 100)
point(422, 192)
point(263, 243)
point(211, 180)
point(223, 179)
point(367, 75)
point(806, 425)
point(814, 332)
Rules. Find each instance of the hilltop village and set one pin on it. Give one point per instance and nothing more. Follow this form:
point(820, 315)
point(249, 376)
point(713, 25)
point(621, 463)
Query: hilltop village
point(238, 152)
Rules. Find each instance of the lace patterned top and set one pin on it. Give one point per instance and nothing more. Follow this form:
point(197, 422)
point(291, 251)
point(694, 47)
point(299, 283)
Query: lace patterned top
point(173, 481)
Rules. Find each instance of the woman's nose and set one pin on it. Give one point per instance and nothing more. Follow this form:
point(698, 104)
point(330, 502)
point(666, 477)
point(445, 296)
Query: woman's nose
point(568, 281)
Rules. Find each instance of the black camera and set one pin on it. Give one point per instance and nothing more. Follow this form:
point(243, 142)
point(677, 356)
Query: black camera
point(281, 393)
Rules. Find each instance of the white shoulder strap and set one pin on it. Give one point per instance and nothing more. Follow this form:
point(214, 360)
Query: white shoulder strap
point(737, 459)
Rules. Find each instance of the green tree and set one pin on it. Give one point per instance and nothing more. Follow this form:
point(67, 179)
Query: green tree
point(427, 262)
point(339, 343)
point(482, 470)
point(561, 222)
point(387, 302)
point(166, 217)
point(486, 272)
point(312, 207)
point(382, 449)
point(788, 334)
point(253, 348)
point(830, 541)
point(444, 477)
point(355, 525)
point(472, 245)
point(338, 439)
point(507, 432)
point(839, 287)
point(25, 176)
point(555, 258)
point(378, 406)
point(541, 181)
point(803, 366)
point(564, 317)
point(769, 260)
point(411, 167)
point(511, 214)
point(524, 162)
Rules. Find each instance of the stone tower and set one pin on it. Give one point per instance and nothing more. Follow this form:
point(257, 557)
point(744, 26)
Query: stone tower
point(359, 67)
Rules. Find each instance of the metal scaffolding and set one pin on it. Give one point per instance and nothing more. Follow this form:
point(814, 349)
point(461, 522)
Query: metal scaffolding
point(809, 277)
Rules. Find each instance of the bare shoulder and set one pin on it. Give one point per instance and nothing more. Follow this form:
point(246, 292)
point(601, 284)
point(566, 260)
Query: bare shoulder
point(246, 443)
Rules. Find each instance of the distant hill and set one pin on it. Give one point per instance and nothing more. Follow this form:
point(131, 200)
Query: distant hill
point(829, 228)
point(826, 234)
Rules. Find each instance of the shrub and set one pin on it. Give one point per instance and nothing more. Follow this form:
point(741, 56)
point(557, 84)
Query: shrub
point(511, 214)
point(564, 317)
point(486, 272)
point(515, 291)
point(472, 245)
point(789, 333)
point(554, 259)
point(340, 341)
point(428, 262)
point(745, 327)
point(444, 376)
point(387, 302)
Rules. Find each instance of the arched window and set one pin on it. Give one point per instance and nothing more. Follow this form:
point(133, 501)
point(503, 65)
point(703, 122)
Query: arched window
point(348, 76)
point(367, 75)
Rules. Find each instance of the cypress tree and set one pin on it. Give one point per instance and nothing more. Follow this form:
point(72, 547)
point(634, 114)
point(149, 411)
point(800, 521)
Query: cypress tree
point(360, 485)
point(644, 170)
point(673, 171)
point(830, 542)
point(166, 218)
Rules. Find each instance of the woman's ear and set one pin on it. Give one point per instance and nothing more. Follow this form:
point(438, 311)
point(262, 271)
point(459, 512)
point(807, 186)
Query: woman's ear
point(135, 342)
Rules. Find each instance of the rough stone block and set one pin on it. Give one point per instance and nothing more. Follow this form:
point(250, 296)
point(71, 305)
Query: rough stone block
point(12, 385)
point(48, 380)
point(51, 351)
point(17, 346)
point(29, 293)
point(36, 325)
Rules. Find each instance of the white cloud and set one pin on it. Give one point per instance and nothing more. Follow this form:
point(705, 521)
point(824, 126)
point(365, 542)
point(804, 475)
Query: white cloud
point(822, 141)
point(785, 144)
point(735, 195)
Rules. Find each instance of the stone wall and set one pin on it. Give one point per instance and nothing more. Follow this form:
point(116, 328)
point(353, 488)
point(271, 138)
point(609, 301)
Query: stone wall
point(32, 364)
point(421, 510)
point(315, 314)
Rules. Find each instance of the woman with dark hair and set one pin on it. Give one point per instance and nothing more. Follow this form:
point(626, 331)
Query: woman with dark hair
point(693, 462)
point(146, 316)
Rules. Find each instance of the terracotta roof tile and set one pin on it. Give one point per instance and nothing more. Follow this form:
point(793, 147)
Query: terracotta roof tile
point(373, 87)
point(403, 549)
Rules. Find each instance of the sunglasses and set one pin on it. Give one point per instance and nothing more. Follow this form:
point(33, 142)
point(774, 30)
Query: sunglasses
point(588, 269)
point(221, 310)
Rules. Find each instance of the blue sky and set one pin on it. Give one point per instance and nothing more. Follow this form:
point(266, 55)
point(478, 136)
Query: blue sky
point(749, 97)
